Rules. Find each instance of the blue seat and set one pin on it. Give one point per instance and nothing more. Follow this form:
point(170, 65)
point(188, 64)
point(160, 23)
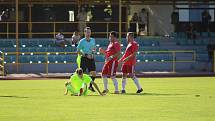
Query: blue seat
point(24, 59)
point(59, 58)
point(24, 49)
point(102, 41)
point(147, 43)
point(58, 49)
point(41, 58)
point(33, 49)
point(163, 57)
point(204, 34)
point(140, 58)
point(7, 43)
point(7, 59)
point(11, 49)
point(46, 42)
point(33, 58)
point(212, 34)
point(24, 43)
point(41, 49)
point(70, 58)
point(202, 57)
point(50, 49)
point(33, 43)
point(51, 58)
point(99, 58)
point(73, 49)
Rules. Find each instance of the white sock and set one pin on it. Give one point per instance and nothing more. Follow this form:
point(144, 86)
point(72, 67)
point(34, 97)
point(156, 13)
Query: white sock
point(105, 81)
point(115, 84)
point(136, 83)
point(123, 83)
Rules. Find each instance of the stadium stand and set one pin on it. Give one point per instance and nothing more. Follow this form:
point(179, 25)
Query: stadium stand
point(151, 50)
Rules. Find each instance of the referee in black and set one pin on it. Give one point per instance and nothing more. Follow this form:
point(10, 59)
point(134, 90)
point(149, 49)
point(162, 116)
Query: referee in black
point(86, 48)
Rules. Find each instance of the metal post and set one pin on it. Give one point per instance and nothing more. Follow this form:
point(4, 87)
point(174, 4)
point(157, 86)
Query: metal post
point(17, 35)
point(7, 30)
point(30, 21)
point(107, 29)
point(47, 65)
point(54, 31)
point(147, 26)
point(120, 20)
point(194, 56)
point(173, 62)
point(3, 64)
point(214, 62)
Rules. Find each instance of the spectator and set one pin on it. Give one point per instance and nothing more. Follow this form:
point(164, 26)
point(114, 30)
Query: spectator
point(133, 23)
point(60, 41)
point(142, 20)
point(75, 38)
point(206, 18)
point(175, 19)
point(2, 16)
point(210, 48)
point(191, 33)
point(82, 18)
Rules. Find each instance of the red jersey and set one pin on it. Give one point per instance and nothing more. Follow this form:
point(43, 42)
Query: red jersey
point(130, 49)
point(112, 49)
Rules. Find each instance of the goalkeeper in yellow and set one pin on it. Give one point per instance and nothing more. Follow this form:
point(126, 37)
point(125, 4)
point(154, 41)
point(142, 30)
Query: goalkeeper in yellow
point(78, 84)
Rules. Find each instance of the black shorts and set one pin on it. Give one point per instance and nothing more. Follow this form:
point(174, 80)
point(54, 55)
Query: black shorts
point(88, 64)
point(142, 26)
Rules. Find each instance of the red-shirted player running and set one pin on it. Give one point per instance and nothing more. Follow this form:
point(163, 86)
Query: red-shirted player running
point(111, 62)
point(129, 61)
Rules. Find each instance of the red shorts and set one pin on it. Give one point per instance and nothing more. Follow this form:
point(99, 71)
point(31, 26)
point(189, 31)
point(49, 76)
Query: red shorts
point(127, 68)
point(109, 68)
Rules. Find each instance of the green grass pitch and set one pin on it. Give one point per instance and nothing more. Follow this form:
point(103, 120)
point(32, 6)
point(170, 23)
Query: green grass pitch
point(164, 99)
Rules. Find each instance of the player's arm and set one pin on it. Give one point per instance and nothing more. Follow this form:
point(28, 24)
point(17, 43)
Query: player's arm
point(117, 54)
point(79, 50)
point(66, 90)
point(134, 52)
point(101, 50)
point(114, 55)
point(97, 88)
point(130, 56)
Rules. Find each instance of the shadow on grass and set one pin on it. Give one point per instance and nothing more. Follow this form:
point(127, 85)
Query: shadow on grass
point(93, 95)
point(9, 96)
point(152, 94)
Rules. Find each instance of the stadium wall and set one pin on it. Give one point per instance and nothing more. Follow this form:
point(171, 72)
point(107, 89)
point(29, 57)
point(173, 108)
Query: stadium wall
point(159, 18)
point(140, 67)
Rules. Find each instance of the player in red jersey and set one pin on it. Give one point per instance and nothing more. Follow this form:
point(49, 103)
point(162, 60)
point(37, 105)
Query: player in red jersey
point(111, 62)
point(129, 61)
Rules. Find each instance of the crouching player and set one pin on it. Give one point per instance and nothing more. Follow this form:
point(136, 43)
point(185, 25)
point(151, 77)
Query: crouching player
point(77, 85)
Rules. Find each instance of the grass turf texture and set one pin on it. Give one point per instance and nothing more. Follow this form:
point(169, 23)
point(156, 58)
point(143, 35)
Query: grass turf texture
point(164, 99)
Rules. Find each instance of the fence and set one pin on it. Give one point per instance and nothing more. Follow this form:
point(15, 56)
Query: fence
point(171, 57)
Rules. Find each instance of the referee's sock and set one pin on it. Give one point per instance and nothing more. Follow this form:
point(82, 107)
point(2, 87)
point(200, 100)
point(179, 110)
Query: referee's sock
point(93, 78)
